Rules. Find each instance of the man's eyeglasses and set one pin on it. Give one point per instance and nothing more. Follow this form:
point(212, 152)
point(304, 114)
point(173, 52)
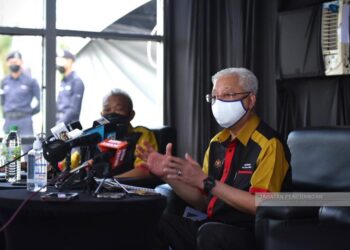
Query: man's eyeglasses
point(225, 97)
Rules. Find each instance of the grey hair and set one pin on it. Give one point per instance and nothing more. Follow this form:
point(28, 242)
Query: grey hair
point(247, 79)
point(118, 92)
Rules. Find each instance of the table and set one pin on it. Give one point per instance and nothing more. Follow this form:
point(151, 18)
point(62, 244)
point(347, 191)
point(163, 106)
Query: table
point(85, 223)
point(6, 185)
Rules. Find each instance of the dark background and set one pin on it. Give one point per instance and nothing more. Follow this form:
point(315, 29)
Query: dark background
point(279, 40)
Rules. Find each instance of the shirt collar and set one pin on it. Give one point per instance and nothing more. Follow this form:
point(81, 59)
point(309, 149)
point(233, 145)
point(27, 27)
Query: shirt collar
point(130, 128)
point(244, 134)
point(69, 76)
point(18, 78)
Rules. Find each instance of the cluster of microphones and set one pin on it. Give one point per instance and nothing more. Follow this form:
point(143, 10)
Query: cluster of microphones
point(100, 145)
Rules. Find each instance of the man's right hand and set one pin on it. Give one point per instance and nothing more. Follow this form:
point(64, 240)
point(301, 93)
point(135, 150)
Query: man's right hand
point(143, 151)
point(154, 160)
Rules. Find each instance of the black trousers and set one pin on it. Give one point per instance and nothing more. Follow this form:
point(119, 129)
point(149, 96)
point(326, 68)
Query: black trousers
point(184, 234)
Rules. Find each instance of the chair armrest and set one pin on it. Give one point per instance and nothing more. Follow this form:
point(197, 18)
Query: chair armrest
point(335, 215)
point(175, 205)
point(267, 210)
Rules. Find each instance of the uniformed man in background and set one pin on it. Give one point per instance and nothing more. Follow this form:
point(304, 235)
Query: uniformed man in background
point(20, 96)
point(71, 90)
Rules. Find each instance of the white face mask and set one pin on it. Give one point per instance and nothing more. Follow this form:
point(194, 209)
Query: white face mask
point(228, 113)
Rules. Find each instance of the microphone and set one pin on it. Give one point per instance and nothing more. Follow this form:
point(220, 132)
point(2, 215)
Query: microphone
point(84, 140)
point(111, 151)
point(101, 157)
point(102, 126)
point(67, 137)
point(55, 150)
point(115, 126)
point(74, 125)
point(117, 149)
point(65, 133)
point(118, 124)
point(100, 166)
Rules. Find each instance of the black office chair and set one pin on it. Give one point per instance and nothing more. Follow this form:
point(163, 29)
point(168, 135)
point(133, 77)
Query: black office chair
point(164, 135)
point(175, 205)
point(320, 162)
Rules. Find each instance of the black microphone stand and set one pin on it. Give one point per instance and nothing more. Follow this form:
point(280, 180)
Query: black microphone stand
point(68, 161)
point(75, 178)
point(65, 174)
point(68, 182)
point(89, 182)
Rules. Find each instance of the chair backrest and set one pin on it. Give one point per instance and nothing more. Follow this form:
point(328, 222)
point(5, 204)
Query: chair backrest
point(164, 135)
point(320, 159)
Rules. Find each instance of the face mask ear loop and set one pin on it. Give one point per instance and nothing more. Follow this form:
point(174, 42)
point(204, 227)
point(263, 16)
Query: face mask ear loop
point(246, 109)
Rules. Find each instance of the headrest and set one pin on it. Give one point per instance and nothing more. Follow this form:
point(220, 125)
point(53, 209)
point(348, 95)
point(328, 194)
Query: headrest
point(320, 159)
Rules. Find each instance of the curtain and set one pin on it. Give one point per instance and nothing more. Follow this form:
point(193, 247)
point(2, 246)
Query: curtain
point(202, 37)
point(307, 97)
point(313, 102)
point(299, 43)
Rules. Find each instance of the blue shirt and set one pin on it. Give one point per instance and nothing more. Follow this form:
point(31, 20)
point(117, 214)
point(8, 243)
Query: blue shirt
point(18, 94)
point(69, 99)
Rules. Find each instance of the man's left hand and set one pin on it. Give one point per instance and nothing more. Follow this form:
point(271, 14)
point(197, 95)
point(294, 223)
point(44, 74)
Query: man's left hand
point(185, 170)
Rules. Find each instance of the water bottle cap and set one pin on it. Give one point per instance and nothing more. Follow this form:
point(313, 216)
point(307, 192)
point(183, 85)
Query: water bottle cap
point(13, 128)
point(37, 143)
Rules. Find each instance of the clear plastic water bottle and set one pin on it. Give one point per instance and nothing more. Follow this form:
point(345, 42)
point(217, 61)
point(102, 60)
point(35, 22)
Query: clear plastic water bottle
point(37, 168)
point(3, 152)
point(13, 151)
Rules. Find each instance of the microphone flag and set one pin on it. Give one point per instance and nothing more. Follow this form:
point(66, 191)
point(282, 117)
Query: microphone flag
point(117, 147)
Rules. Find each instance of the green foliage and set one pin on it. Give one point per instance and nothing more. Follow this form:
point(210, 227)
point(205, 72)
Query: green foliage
point(5, 45)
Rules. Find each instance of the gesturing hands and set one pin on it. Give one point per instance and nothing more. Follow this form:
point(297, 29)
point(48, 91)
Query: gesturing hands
point(170, 167)
point(185, 170)
point(153, 159)
point(144, 151)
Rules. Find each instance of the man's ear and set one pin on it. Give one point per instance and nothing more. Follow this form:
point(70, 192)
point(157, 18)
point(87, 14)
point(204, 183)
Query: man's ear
point(252, 101)
point(132, 115)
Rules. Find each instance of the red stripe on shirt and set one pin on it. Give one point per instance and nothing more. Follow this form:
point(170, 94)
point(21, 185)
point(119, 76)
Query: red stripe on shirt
point(230, 152)
point(245, 171)
point(254, 190)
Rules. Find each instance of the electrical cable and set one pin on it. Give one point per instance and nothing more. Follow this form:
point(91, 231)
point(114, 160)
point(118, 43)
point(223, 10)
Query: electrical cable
point(28, 198)
point(15, 159)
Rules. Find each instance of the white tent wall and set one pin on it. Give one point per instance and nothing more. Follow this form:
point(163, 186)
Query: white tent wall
point(107, 64)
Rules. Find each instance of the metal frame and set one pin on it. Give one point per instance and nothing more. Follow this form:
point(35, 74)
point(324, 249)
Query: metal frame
point(49, 35)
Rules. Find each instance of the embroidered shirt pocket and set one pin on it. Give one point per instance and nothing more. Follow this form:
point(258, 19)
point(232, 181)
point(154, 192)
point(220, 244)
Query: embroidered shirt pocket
point(243, 176)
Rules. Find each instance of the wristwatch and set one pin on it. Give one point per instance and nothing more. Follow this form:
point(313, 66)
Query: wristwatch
point(209, 184)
